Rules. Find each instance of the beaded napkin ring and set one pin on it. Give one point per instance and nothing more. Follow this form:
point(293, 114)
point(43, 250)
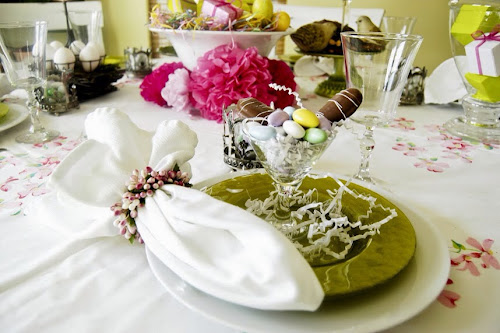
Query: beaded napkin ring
point(142, 184)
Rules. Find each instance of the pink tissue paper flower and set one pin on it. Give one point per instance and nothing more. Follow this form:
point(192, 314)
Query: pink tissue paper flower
point(282, 75)
point(154, 82)
point(226, 74)
point(176, 92)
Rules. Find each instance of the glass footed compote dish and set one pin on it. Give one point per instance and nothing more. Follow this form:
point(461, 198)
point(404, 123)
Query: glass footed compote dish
point(474, 27)
point(287, 161)
point(22, 46)
point(377, 64)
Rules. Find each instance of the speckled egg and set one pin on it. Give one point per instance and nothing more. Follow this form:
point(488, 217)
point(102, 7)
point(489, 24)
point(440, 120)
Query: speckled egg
point(64, 59)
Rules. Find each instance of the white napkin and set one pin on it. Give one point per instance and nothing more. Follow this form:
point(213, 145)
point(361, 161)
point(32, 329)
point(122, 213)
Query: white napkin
point(313, 66)
point(445, 84)
point(218, 248)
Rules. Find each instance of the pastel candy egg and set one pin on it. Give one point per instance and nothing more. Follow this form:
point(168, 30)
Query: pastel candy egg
point(305, 118)
point(289, 110)
point(324, 123)
point(277, 118)
point(315, 135)
point(294, 129)
point(262, 133)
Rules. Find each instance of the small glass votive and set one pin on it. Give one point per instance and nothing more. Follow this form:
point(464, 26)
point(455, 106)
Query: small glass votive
point(59, 95)
point(413, 92)
point(238, 153)
point(138, 62)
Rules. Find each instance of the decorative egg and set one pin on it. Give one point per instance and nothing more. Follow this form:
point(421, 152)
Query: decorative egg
point(49, 56)
point(315, 135)
point(99, 47)
point(89, 57)
point(262, 133)
point(277, 118)
point(305, 118)
point(64, 59)
point(76, 47)
point(294, 129)
point(56, 45)
point(324, 123)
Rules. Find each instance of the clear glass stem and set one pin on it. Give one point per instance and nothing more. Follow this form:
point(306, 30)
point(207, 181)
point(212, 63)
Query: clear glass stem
point(282, 215)
point(34, 111)
point(367, 144)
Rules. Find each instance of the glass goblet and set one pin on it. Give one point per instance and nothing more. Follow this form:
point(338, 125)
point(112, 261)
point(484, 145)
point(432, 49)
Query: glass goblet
point(23, 59)
point(377, 64)
point(287, 161)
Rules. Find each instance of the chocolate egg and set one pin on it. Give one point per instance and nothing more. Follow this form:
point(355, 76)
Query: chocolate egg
point(251, 107)
point(342, 105)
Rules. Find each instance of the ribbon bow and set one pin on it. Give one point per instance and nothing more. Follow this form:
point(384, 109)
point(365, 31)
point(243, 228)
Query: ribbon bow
point(494, 35)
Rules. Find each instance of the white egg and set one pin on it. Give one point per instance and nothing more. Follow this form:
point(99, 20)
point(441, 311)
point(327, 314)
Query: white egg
point(49, 52)
point(99, 48)
point(64, 59)
point(56, 44)
point(76, 47)
point(89, 57)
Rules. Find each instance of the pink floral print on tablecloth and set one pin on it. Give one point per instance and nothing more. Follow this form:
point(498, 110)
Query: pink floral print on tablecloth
point(470, 259)
point(31, 172)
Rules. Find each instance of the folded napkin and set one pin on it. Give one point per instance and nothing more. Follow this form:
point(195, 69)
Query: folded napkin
point(445, 84)
point(313, 66)
point(218, 248)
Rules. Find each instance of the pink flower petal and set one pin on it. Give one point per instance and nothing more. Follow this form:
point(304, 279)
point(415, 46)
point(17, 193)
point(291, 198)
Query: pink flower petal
point(448, 298)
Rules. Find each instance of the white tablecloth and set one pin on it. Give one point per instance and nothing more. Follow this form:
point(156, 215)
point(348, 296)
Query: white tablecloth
point(49, 283)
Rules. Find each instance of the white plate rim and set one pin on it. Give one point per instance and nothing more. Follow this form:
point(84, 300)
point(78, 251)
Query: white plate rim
point(415, 292)
point(17, 114)
point(217, 32)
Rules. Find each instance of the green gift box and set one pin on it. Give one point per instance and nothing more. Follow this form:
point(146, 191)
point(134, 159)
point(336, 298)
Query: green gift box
point(486, 86)
point(470, 19)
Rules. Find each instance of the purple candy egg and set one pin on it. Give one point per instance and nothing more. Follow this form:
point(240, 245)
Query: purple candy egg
point(324, 123)
point(277, 118)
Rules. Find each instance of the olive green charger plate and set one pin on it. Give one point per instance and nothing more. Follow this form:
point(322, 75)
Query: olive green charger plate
point(370, 262)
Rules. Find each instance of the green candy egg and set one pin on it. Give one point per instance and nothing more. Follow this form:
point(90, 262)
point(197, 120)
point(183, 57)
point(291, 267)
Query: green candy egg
point(315, 135)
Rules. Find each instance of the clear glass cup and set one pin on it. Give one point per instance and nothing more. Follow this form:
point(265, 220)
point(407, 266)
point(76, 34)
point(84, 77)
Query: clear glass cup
point(377, 64)
point(481, 118)
point(398, 24)
point(287, 161)
point(22, 46)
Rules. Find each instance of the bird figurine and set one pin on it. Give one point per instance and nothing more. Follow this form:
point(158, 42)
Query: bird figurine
point(314, 37)
point(365, 24)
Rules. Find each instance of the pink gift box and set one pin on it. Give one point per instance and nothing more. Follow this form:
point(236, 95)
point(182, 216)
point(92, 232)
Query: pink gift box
point(222, 11)
point(483, 57)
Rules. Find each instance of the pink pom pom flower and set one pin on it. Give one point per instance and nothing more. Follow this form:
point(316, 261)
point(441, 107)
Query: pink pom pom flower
point(154, 82)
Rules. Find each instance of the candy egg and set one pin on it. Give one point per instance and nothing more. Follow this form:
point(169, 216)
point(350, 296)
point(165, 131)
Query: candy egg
point(76, 47)
point(277, 118)
point(262, 133)
point(324, 123)
point(305, 118)
point(289, 110)
point(64, 59)
point(315, 135)
point(89, 57)
point(56, 45)
point(294, 129)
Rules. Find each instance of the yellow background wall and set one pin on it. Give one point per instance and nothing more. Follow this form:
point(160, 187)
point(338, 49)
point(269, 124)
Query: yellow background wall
point(125, 25)
point(125, 20)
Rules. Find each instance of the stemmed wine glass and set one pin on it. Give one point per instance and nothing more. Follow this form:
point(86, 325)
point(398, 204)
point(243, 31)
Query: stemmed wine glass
point(378, 65)
point(22, 46)
point(287, 161)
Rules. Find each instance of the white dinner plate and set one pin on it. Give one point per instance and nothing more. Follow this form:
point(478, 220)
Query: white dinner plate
point(17, 114)
point(406, 295)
